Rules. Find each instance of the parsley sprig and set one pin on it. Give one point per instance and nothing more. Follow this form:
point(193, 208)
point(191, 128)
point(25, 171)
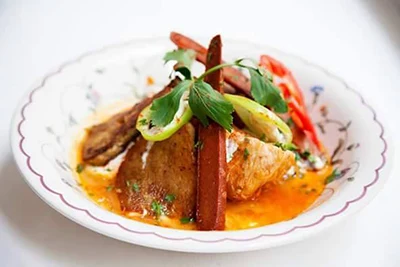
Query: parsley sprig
point(207, 103)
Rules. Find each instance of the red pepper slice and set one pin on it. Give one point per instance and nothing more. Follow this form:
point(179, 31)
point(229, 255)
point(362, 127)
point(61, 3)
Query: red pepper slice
point(292, 92)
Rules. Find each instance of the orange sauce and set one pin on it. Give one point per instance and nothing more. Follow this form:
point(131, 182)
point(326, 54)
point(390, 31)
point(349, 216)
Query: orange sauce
point(278, 202)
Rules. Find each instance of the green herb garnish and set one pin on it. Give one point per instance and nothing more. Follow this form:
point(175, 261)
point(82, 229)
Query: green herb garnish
point(183, 57)
point(305, 154)
point(311, 158)
point(143, 122)
point(205, 102)
point(246, 154)
point(186, 220)
point(265, 92)
point(80, 167)
point(136, 187)
point(170, 198)
point(109, 188)
point(164, 108)
point(157, 208)
point(332, 177)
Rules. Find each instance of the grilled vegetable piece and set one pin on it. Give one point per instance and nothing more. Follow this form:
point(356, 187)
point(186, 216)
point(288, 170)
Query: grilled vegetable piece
point(260, 120)
point(211, 160)
point(158, 133)
point(107, 140)
point(253, 164)
point(158, 178)
point(231, 75)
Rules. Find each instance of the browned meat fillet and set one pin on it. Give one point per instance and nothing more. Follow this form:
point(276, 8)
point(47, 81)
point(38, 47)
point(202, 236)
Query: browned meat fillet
point(252, 164)
point(154, 173)
point(108, 139)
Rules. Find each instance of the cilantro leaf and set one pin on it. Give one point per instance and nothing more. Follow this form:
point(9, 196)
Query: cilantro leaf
point(136, 187)
point(170, 198)
point(186, 220)
point(184, 57)
point(246, 154)
point(164, 108)
point(265, 92)
point(80, 167)
point(206, 102)
point(157, 208)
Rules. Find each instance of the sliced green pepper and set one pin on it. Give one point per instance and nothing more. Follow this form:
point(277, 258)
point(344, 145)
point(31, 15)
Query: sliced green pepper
point(261, 121)
point(159, 133)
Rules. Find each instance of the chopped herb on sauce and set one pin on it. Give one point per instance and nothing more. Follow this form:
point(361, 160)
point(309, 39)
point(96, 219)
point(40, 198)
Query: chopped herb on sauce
point(350, 179)
point(246, 153)
point(157, 208)
point(186, 220)
point(108, 169)
point(109, 188)
point(311, 158)
point(79, 168)
point(170, 197)
point(136, 187)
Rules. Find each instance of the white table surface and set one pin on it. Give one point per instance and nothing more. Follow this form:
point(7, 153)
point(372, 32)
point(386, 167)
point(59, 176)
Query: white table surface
point(358, 40)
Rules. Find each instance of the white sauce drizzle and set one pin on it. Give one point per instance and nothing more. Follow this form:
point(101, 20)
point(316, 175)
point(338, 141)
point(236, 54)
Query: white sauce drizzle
point(145, 154)
point(231, 147)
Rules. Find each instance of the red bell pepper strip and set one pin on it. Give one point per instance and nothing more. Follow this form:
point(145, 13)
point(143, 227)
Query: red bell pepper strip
point(293, 94)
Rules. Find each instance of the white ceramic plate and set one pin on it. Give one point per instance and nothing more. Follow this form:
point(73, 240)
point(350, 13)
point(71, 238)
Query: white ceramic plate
point(50, 115)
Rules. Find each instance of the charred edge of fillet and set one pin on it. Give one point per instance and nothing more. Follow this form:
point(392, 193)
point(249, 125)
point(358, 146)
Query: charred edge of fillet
point(107, 140)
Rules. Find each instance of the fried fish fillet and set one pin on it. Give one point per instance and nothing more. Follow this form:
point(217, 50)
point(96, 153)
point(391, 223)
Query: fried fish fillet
point(252, 164)
point(107, 140)
point(160, 175)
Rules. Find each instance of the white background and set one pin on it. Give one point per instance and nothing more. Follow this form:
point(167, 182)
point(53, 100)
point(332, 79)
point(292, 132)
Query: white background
point(358, 40)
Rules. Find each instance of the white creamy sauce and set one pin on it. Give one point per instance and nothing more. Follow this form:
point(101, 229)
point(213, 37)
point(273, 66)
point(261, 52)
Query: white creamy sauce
point(318, 164)
point(145, 154)
point(111, 166)
point(231, 147)
point(279, 136)
point(144, 213)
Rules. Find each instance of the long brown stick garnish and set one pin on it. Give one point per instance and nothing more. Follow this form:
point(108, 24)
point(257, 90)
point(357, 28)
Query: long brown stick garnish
point(211, 167)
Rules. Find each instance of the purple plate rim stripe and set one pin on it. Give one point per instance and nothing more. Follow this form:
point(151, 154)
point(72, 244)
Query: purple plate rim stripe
point(60, 69)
